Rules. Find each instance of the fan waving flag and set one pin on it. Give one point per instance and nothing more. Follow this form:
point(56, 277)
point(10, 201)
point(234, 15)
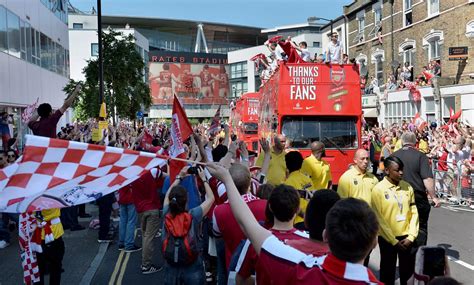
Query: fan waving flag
point(55, 173)
point(293, 56)
point(180, 131)
point(453, 117)
point(419, 122)
point(216, 121)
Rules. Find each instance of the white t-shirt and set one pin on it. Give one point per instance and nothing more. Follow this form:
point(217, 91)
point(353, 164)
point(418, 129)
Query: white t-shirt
point(334, 52)
point(305, 55)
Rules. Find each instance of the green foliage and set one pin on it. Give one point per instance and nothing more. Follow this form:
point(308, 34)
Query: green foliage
point(125, 91)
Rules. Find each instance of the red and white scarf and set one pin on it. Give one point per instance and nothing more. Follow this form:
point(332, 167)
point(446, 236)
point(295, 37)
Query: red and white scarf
point(29, 238)
point(346, 270)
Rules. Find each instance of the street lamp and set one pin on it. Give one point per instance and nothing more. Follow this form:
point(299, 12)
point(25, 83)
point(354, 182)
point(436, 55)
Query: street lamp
point(315, 19)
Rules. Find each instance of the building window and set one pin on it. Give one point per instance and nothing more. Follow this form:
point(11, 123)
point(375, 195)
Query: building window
point(13, 25)
point(379, 69)
point(238, 70)
point(94, 49)
point(238, 88)
point(408, 55)
point(434, 49)
point(377, 22)
point(316, 44)
point(3, 29)
point(407, 12)
point(398, 111)
point(361, 23)
point(433, 7)
point(77, 25)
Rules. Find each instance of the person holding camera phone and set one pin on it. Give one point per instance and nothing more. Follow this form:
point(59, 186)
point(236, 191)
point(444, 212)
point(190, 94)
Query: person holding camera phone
point(393, 201)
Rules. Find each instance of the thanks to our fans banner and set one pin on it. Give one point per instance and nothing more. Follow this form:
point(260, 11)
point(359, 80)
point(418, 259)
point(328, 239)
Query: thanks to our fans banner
point(55, 173)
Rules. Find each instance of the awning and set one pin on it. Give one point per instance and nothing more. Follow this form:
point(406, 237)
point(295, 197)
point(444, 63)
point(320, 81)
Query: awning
point(370, 112)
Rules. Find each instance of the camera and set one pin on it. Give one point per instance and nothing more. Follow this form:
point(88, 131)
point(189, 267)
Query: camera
point(431, 261)
point(233, 137)
point(193, 170)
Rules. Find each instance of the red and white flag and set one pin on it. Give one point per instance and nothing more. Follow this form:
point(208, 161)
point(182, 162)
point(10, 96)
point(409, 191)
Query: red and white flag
point(55, 173)
point(453, 117)
point(28, 112)
point(293, 56)
point(216, 121)
point(180, 131)
point(419, 122)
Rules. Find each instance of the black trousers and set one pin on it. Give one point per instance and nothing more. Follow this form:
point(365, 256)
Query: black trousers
point(52, 258)
point(388, 262)
point(105, 210)
point(423, 206)
point(69, 217)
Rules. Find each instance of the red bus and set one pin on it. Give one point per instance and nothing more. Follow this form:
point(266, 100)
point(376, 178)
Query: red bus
point(244, 119)
point(315, 102)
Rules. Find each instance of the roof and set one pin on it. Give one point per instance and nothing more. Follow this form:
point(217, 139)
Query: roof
point(213, 31)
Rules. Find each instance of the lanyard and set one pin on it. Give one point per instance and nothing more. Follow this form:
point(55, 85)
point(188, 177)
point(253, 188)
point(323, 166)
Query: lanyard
point(399, 200)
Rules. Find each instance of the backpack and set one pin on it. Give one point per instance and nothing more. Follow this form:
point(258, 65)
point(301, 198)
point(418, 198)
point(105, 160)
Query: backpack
point(180, 243)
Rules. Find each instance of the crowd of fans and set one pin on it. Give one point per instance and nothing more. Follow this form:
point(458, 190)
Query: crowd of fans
point(280, 221)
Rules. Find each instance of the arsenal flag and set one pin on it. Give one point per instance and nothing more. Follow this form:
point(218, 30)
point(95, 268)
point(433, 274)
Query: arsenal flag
point(453, 117)
point(216, 121)
point(180, 131)
point(55, 173)
point(419, 122)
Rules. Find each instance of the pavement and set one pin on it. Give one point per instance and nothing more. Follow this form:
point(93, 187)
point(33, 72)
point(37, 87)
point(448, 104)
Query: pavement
point(88, 262)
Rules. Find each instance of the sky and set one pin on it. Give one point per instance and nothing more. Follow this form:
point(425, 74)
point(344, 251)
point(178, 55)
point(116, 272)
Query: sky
point(255, 13)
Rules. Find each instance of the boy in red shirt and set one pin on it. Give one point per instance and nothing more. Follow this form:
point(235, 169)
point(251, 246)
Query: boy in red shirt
point(282, 208)
point(224, 223)
point(350, 222)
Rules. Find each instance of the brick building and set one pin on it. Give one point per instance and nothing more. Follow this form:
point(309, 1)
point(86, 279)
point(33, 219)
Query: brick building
point(385, 33)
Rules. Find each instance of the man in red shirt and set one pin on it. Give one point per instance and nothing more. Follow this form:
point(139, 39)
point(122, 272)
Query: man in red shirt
point(147, 203)
point(349, 222)
point(46, 126)
point(283, 205)
point(224, 223)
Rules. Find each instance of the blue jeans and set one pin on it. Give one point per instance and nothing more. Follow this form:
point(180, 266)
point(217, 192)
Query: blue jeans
point(187, 275)
point(128, 219)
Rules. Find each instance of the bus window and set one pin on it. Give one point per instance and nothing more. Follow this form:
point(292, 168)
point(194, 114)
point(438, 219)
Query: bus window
point(251, 128)
point(334, 132)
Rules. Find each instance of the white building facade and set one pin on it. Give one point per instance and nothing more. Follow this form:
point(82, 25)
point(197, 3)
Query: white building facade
point(83, 40)
point(34, 55)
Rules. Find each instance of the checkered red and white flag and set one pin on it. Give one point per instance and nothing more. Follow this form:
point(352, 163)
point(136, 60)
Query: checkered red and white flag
point(55, 173)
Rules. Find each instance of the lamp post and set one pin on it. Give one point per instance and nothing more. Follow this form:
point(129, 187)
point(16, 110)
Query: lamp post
point(101, 58)
point(315, 19)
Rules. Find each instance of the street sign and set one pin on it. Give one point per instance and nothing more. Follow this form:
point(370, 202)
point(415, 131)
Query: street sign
point(458, 53)
point(139, 114)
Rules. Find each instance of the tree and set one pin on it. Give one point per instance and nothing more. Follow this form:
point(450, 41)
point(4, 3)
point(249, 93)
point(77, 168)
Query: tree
point(125, 91)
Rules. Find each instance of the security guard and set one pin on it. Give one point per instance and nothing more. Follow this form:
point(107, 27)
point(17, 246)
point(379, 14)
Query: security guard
point(357, 182)
point(300, 182)
point(393, 201)
point(316, 168)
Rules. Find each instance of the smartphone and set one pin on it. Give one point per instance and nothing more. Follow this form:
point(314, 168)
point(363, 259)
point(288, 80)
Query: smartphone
point(193, 170)
point(434, 261)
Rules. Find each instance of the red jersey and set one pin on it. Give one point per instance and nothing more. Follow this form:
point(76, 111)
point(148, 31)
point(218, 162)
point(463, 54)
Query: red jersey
point(225, 225)
point(165, 78)
point(223, 80)
point(145, 191)
point(125, 195)
point(287, 265)
point(248, 259)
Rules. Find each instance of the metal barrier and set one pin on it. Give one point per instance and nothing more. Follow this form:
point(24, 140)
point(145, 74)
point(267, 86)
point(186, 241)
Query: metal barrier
point(453, 182)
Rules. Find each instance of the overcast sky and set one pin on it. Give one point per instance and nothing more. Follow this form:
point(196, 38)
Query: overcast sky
point(258, 13)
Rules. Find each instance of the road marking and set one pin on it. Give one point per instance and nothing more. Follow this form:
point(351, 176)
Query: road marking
point(116, 269)
point(89, 275)
point(449, 208)
point(124, 267)
point(462, 263)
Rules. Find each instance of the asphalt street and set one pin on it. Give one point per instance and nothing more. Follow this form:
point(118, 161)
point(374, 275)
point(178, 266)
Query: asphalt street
point(87, 262)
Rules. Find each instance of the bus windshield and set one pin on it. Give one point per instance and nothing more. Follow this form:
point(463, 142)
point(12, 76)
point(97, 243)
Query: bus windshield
point(334, 132)
point(251, 128)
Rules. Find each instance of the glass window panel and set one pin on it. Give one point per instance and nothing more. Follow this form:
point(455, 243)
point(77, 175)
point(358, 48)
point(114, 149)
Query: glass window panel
point(23, 39)
point(28, 42)
point(44, 51)
point(13, 24)
point(3, 29)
